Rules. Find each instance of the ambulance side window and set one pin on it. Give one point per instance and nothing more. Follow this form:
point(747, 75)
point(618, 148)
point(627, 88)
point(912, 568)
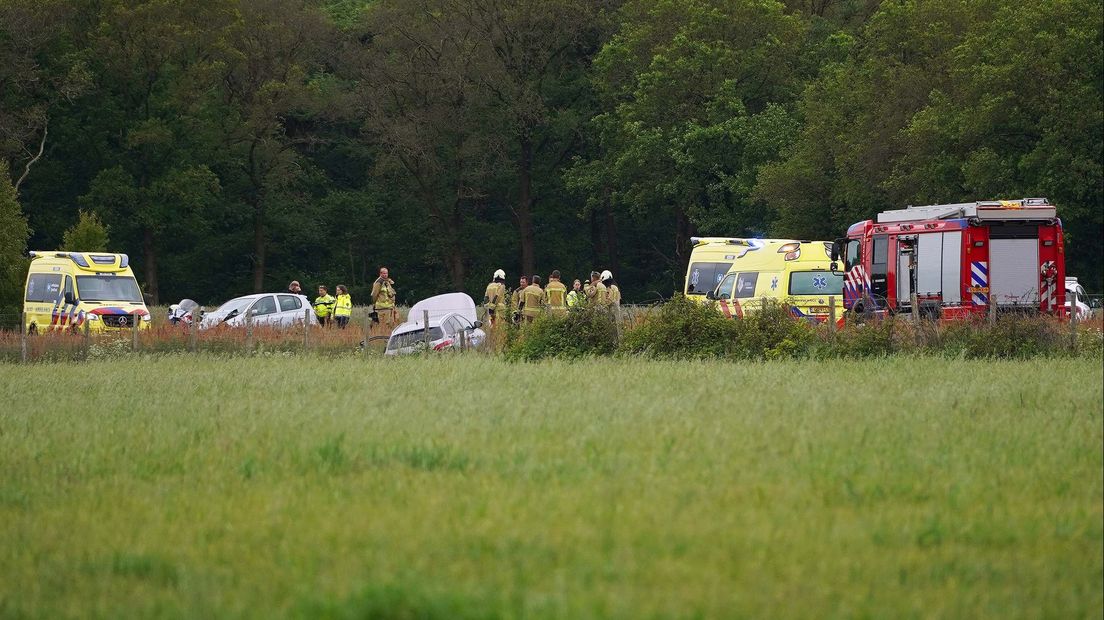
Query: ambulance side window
point(745, 284)
point(44, 287)
point(724, 290)
point(69, 286)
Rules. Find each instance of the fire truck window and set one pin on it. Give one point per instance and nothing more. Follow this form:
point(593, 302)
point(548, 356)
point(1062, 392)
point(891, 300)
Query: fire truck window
point(853, 253)
point(879, 285)
point(44, 287)
point(881, 250)
point(745, 284)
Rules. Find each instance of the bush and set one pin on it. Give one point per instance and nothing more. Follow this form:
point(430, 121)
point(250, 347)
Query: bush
point(683, 329)
point(583, 332)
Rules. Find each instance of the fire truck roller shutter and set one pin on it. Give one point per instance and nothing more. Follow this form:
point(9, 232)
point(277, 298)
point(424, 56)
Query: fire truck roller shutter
point(952, 267)
point(929, 266)
point(1014, 271)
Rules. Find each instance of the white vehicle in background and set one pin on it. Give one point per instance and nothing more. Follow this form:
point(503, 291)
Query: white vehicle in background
point(271, 309)
point(1075, 294)
point(452, 321)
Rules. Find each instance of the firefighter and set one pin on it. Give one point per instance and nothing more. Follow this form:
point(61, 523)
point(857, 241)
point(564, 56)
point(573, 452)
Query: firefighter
point(596, 292)
point(383, 296)
point(576, 296)
point(613, 294)
point(532, 300)
point(556, 295)
point(343, 308)
point(494, 299)
point(323, 305)
point(515, 298)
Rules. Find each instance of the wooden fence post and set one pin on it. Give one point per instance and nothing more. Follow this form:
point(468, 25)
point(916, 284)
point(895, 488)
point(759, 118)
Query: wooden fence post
point(831, 313)
point(249, 331)
point(367, 331)
point(425, 325)
point(306, 328)
point(914, 300)
point(23, 337)
point(992, 310)
point(1073, 324)
point(134, 332)
point(87, 338)
point(193, 327)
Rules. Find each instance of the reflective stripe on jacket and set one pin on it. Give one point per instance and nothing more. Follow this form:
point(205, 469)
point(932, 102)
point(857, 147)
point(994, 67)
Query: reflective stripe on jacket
point(324, 305)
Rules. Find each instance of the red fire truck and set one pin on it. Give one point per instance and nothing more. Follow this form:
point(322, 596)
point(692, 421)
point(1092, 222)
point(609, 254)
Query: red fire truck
point(955, 260)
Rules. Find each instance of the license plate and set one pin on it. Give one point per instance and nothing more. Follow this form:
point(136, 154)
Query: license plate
point(819, 309)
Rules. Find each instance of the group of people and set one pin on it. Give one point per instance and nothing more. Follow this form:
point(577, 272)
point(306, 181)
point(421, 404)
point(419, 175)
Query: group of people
point(338, 309)
point(529, 300)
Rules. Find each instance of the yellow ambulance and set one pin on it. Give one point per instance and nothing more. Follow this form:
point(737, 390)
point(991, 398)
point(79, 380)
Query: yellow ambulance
point(710, 260)
point(797, 273)
point(66, 289)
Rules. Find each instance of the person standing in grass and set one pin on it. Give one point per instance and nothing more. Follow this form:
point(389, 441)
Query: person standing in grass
point(596, 291)
point(494, 299)
point(383, 296)
point(576, 296)
point(323, 305)
point(515, 298)
point(556, 295)
point(343, 308)
point(532, 300)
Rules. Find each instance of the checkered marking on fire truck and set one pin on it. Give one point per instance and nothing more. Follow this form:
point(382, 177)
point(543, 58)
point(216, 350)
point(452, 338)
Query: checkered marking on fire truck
point(979, 278)
point(856, 280)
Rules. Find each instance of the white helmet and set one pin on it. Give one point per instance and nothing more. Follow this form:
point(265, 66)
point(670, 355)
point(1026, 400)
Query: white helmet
point(500, 274)
point(606, 275)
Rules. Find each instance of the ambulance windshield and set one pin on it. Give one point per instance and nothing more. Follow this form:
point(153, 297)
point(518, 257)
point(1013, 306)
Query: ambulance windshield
point(108, 288)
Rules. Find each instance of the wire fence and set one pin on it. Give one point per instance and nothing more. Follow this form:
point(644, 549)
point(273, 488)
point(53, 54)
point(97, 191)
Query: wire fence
point(365, 333)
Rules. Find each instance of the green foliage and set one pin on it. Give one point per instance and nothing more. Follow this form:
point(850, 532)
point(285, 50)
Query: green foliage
point(684, 329)
point(88, 235)
point(585, 331)
point(14, 232)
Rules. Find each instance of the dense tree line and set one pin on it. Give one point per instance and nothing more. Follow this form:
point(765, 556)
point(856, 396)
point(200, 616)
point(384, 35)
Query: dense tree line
point(232, 145)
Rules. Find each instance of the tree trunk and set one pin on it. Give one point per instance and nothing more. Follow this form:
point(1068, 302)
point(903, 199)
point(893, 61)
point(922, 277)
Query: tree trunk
point(684, 228)
point(597, 242)
point(610, 227)
point(258, 249)
point(150, 260)
point(525, 208)
point(455, 258)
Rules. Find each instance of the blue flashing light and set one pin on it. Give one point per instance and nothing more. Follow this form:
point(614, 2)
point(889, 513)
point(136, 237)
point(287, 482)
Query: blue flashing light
point(78, 259)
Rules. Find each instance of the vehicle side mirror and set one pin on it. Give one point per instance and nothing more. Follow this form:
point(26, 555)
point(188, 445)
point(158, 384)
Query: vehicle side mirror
point(834, 267)
point(710, 295)
point(835, 253)
point(70, 298)
point(477, 324)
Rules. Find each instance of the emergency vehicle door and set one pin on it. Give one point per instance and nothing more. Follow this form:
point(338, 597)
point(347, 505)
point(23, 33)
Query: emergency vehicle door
point(906, 270)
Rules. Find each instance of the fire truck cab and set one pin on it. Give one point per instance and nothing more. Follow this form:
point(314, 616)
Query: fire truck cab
point(955, 260)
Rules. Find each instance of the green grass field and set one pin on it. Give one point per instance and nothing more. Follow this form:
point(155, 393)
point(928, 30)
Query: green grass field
point(468, 487)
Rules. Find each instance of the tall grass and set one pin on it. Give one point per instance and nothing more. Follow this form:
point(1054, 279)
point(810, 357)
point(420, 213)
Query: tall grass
point(469, 487)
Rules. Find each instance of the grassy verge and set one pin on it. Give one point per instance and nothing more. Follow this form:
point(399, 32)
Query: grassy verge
point(465, 486)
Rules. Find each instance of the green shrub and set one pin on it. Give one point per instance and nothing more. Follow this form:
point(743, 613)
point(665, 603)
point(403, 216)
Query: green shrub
point(683, 329)
point(583, 332)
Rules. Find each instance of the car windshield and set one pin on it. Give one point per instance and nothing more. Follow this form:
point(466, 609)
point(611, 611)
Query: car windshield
point(816, 283)
point(108, 288)
point(234, 306)
point(412, 338)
